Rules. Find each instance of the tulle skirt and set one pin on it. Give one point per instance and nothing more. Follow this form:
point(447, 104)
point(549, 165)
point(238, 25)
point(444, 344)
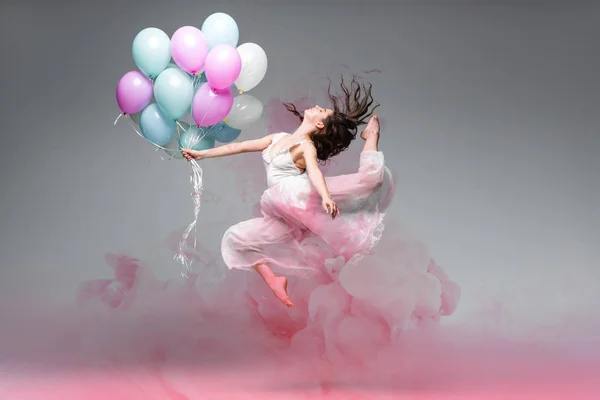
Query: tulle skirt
point(295, 235)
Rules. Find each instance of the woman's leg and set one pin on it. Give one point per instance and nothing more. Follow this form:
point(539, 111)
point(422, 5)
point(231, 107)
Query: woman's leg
point(244, 245)
point(278, 284)
point(371, 134)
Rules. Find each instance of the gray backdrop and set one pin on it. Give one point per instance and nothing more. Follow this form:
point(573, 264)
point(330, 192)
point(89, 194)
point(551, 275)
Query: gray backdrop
point(491, 121)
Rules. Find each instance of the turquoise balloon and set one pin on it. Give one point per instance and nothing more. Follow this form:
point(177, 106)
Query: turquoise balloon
point(156, 126)
point(192, 139)
point(220, 28)
point(151, 51)
point(173, 65)
point(224, 133)
point(174, 92)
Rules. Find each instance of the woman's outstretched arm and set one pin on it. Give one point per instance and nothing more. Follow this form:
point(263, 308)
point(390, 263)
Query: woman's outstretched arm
point(229, 149)
point(318, 180)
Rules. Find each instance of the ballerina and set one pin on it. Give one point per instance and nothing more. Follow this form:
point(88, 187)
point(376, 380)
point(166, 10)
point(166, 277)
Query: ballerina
point(350, 222)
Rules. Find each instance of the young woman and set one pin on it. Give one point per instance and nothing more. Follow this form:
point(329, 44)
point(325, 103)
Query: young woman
point(302, 210)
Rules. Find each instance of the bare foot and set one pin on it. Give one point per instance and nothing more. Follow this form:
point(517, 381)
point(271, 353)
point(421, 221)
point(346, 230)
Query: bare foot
point(279, 288)
point(372, 128)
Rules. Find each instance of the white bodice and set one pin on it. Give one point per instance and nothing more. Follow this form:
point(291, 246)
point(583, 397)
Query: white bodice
point(280, 165)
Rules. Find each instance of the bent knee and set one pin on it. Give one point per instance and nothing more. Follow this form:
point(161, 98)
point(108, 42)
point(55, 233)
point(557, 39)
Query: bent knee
point(372, 179)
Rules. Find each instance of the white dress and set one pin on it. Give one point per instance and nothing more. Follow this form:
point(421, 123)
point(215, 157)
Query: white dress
point(295, 234)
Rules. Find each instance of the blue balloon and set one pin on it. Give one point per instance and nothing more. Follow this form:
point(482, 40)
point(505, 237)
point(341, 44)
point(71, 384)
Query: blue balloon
point(151, 51)
point(174, 92)
point(156, 126)
point(195, 138)
point(224, 133)
point(220, 28)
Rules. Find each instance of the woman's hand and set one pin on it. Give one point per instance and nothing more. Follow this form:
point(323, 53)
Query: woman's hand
point(330, 207)
point(191, 154)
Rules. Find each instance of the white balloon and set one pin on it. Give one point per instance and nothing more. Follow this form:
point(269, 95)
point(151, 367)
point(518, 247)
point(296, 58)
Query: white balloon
point(246, 111)
point(254, 66)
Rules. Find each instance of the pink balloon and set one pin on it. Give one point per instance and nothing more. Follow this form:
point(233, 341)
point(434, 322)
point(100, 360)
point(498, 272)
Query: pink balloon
point(189, 49)
point(210, 105)
point(223, 66)
point(134, 92)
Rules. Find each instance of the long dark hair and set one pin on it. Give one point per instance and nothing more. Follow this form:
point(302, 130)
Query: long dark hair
point(350, 110)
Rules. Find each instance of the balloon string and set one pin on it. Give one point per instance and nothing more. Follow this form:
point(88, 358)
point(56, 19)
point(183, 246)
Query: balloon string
point(196, 179)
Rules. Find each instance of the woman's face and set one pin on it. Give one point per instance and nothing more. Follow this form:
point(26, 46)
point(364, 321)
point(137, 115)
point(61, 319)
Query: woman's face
point(317, 115)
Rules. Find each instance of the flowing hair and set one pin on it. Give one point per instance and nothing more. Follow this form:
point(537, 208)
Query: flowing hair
point(352, 108)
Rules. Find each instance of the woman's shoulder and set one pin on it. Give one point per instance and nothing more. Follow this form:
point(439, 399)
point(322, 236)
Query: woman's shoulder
point(307, 146)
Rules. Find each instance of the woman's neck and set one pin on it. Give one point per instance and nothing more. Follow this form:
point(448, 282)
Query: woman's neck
point(304, 131)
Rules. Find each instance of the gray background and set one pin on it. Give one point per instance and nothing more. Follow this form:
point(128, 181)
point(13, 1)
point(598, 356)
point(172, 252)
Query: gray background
point(491, 121)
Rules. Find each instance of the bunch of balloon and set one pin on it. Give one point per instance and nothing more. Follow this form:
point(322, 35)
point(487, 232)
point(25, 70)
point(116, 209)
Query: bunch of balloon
point(197, 73)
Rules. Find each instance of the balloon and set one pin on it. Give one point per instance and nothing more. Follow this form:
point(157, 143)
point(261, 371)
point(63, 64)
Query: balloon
point(224, 133)
point(201, 79)
point(189, 49)
point(254, 66)
point(197, 82)
point(174, 92)
point(195, 138)
point(211, 105)
point(223, 66)
point(134, 92)
point(173, 65)
point(220, 28)
point(246, 111)
point(156, 126)
point(151, 51)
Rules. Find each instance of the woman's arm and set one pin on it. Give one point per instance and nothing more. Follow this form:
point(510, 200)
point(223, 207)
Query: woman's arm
point(230, 149)
point(318, 180)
